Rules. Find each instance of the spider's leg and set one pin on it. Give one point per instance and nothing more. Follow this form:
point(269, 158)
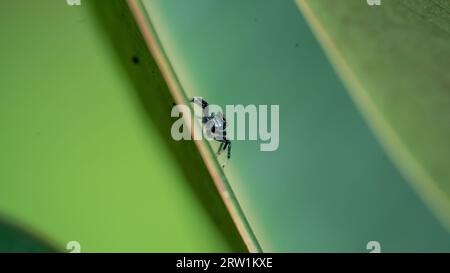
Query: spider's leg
point(203, 103)
point(227, 142)
point(200, 102)
point(220, 148)
point(227, 145)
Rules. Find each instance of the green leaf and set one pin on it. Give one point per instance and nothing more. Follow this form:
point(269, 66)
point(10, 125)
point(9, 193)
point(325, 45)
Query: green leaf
point(85, 148)
point(394, 60)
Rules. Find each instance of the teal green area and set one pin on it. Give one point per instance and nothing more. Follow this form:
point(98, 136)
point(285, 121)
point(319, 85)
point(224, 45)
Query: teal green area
point(402, 89)
point(85, 147)
point(330, 186)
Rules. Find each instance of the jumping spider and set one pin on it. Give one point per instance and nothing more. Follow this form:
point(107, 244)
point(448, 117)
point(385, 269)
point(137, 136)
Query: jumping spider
point(216, 126)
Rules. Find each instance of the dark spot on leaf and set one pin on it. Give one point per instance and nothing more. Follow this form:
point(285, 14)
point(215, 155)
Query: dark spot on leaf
point(135, 59)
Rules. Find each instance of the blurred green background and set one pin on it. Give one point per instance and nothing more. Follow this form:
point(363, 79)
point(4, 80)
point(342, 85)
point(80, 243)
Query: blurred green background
point(85, 147)
point(86, 153)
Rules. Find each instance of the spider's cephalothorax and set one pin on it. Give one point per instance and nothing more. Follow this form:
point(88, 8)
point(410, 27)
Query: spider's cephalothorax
point(216, 126)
